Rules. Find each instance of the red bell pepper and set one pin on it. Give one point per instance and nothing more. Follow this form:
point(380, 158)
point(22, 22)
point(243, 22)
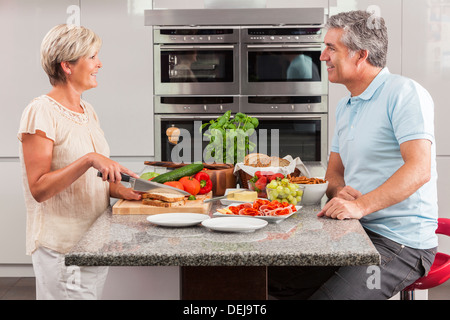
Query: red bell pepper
point(205, 182)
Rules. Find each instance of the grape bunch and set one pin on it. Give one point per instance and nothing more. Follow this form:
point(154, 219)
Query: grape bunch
point(284, 191)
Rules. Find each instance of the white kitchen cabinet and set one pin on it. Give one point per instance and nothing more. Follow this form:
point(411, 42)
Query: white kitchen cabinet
point(297, 4)
point(142, 283)
point(12, 215)
point(23, 25)
point(426, 57)
point(123, 97)
point(443, 167)
point(178, 4)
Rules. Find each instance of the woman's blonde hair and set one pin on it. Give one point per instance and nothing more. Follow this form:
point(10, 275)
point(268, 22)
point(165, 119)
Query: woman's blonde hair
point(66, 43)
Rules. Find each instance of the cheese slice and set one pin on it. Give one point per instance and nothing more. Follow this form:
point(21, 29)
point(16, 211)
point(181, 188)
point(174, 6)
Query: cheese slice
point(248, 196)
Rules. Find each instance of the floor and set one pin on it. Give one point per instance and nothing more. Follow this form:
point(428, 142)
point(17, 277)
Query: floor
point(14, 288)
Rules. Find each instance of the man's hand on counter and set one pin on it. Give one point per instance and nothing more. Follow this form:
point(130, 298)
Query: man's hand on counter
point(343, 206)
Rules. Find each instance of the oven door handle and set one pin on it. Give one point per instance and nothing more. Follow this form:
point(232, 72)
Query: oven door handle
point(187, 117)
point(282, 46)
point(183, 47)
point(290, 117)
point(259, 116)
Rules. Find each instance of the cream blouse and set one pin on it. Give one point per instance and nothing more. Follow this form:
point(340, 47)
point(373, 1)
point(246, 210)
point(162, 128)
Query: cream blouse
point(59, 222)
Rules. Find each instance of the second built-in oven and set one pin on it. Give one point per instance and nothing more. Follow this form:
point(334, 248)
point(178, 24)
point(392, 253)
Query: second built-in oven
point(283, 61)
point(196, 60)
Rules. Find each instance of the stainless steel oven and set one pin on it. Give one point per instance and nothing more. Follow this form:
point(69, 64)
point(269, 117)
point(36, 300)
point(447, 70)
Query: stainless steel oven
point(299, 134)
point(196, 60)
point(263, 63)
point(291, 125)
point(283, 61)
point(186, 114)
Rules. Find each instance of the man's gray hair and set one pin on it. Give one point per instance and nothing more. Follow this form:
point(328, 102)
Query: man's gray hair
point(363, 31)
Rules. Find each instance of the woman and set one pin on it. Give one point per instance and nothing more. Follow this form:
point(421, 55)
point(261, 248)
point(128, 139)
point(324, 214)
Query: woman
point(63, 148)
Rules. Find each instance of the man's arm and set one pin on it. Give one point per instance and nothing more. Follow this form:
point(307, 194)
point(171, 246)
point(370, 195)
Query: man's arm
point(414, 173)
point(334, 175)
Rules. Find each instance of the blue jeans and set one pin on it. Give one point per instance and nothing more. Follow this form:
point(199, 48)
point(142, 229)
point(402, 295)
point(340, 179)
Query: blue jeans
point(400, 266)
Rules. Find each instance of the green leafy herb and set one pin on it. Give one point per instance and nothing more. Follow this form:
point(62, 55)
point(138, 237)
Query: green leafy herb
point(230, 138)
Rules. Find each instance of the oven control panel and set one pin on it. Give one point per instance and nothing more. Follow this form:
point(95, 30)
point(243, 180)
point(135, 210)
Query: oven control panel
point(282, 34)
point(285, 38)
point(195, 35)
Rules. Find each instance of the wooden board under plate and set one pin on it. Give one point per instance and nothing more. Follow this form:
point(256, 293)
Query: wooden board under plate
point(136, 207)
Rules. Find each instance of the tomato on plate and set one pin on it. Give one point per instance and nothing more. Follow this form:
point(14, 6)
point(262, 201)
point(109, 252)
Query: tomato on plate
point(190, 185)
point(175, 184)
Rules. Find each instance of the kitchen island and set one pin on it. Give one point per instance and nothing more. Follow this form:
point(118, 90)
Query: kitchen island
point(234, 262)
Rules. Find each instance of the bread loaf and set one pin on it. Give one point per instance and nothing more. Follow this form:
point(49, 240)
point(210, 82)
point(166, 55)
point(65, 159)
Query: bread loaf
point(257, 160)
point(278, 162)
point(263, 160)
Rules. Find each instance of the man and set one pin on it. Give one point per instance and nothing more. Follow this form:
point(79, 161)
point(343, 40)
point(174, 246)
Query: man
point(382, 167)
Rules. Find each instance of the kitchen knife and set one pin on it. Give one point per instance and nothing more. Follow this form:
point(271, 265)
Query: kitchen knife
point(142, 185)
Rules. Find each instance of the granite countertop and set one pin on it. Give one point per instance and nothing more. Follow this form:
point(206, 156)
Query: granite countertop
point(303, 239)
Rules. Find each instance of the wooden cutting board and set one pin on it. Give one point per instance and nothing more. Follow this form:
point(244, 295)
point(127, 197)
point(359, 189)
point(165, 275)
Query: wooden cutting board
point(136, 207)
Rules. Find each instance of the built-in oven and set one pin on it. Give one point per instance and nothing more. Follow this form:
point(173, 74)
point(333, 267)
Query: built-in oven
point(178, 120)
point(196, 60)
point(282, 61)
point(291, 125)
point(299, 134)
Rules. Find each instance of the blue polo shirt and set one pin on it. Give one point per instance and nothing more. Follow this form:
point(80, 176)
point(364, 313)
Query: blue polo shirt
point(368, 133)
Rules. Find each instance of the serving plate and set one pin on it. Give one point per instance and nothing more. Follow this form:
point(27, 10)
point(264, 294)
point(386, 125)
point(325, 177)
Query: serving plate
point(234, 224)
point(177, 219)
point(272, 219)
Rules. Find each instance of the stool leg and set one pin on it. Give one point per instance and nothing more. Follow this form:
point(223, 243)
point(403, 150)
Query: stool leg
point(407, 295)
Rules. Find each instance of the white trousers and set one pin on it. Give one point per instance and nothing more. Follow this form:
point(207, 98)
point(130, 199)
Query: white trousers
point(56, 281)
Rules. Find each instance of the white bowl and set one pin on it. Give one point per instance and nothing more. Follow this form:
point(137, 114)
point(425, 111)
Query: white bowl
point(313, 193)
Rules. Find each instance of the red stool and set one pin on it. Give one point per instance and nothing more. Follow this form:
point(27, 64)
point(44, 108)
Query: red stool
point(439, 271)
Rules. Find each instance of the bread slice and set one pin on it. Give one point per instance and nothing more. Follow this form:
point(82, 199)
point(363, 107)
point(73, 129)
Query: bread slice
point(161, 203)
point(168, 197)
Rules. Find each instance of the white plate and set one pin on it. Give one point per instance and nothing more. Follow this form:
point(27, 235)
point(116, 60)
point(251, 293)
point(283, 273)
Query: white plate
point(275, 219)
point(177, 219)
point(234, 224)
point(228, 201)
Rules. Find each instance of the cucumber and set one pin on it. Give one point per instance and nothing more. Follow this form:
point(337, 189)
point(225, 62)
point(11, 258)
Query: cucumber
point(176, 174)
